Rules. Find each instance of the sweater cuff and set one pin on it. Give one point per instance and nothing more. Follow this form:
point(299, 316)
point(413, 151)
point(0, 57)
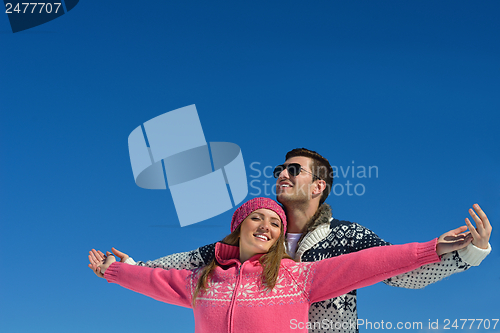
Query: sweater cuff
point(427, 252)
point(473, 255)
point(130, 261)
point(111, 274)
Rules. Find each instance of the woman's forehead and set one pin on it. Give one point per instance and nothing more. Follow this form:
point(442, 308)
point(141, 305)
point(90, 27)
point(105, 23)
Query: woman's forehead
point(267, 212)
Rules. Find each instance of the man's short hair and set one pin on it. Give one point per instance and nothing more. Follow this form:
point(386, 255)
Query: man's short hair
point(319, 166)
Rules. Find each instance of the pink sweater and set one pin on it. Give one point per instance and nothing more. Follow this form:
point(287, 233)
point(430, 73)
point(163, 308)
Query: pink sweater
point(236, 301)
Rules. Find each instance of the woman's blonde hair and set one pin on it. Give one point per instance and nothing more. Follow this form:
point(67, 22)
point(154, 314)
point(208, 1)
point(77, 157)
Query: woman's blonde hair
point(271, 262)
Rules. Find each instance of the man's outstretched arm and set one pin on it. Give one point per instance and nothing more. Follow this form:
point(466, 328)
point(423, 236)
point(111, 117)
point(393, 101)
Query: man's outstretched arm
point(185, 260)
point(454, 262)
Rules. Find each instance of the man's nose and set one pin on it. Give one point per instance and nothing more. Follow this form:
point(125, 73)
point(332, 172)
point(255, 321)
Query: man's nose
point(284, 174)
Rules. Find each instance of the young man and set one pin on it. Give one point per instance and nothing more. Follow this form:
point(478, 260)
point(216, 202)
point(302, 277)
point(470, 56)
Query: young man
point(303, 183)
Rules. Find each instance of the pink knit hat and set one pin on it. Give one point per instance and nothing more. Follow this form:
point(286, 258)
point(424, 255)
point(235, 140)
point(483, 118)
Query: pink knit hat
point(256, 203)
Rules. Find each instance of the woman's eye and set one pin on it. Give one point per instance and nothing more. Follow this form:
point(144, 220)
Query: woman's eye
point(276, 225)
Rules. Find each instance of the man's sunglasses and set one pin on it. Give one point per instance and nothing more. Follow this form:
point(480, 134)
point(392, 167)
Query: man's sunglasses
point(293, 169)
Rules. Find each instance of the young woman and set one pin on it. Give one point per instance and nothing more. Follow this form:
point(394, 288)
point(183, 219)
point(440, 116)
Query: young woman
point(253, 286)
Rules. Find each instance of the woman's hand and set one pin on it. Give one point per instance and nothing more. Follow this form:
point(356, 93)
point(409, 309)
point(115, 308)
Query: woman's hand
point(97, 258)
point(453, 240)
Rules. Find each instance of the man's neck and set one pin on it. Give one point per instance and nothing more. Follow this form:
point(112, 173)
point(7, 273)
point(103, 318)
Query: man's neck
point(298, 216)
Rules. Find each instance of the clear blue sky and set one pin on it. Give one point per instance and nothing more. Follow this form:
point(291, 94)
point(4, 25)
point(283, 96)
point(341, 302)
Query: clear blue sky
point(409, 87)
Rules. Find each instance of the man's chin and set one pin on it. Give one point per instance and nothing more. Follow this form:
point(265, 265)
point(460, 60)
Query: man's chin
point(280, 197)
point(291, 199)
point(283, 198)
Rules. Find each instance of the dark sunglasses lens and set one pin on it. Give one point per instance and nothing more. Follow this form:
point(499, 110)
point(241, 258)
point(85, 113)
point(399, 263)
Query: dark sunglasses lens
point(293, 169)
point(278, 170)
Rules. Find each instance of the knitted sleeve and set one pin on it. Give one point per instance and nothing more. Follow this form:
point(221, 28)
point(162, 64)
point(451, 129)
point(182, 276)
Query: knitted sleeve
point(184, 260)
point(451, 263)
point(454, 262)
point(169, 286)
point(338, 275)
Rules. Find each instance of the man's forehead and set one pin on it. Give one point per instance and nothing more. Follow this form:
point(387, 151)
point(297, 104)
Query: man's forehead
point(302, 160)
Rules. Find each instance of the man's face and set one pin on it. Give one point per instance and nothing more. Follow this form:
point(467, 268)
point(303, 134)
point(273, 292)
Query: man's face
point(295, 189)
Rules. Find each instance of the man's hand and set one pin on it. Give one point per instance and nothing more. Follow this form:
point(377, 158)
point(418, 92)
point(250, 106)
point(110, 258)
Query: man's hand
point(482, 232)
point(453, 240)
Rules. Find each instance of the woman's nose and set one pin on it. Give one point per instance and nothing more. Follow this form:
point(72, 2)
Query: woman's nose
point(264, 225)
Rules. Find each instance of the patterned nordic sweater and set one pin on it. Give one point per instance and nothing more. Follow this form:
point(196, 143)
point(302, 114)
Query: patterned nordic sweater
point(328, 238)
point(236, 301)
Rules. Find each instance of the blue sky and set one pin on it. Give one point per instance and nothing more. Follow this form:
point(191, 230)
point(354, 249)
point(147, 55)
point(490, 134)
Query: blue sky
point(409, 87)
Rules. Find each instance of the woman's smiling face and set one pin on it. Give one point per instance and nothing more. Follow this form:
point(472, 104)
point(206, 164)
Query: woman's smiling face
point(258, 232)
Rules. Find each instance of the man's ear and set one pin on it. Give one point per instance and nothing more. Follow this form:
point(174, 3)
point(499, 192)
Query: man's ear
point(320, 186)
